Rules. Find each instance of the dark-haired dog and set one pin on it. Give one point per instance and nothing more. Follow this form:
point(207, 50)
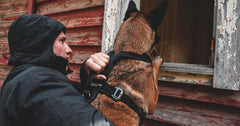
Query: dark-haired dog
point(137, 78)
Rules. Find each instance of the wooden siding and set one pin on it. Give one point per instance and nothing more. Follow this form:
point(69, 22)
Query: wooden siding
point(185, 104)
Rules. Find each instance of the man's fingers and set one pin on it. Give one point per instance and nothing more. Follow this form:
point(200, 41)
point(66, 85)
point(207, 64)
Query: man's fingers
point(105, 56)
point(91, 65)
point(97, 62)
point(100, 77)
point(101, 57)
point(102, 62)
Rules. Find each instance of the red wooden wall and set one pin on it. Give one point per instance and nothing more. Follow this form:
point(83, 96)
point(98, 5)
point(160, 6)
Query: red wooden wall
point(179, 104)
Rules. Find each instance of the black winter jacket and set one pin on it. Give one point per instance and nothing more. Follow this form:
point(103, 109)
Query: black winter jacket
point(37, 92)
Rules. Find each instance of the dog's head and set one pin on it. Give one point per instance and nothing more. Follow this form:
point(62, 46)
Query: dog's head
point(137, 33)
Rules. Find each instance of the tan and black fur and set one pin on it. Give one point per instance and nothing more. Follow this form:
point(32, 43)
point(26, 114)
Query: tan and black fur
point(138, 79)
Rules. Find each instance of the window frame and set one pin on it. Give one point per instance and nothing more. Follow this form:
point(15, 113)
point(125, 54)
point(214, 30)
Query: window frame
point(216, 76)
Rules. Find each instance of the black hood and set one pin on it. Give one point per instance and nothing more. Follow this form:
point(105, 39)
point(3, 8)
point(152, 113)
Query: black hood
point(31, 39)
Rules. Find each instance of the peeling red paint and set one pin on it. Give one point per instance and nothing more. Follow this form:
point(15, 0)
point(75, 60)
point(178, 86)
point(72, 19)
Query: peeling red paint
point(93, 17)
point(11, 17)
point(59, 6)
point(86, 36)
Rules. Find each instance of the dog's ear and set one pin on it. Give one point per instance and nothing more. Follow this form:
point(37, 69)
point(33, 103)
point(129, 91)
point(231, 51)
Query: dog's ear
point(157, 14)
point(131, 9)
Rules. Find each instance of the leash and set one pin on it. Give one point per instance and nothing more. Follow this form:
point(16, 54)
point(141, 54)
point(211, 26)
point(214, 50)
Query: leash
point(91, 89)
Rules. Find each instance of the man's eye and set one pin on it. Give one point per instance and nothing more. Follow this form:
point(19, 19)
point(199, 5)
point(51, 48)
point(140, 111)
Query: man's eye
point(62, 40)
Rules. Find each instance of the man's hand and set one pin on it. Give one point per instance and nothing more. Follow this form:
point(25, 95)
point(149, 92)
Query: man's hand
point(97, 62)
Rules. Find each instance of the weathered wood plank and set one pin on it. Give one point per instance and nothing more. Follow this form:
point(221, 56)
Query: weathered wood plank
point(3, 50)
point(227, 58)
point(12, 15)
point(186, 112)
point(200, 93)
point(187, 68)
point(90, 17)
point(185, 78)
point(3, 61)
point(3, 1)
point(40, 1)
point(84, 36)
point(53, 7)
point(80, 54)
point(3, 37)
point(5, 24)
point(13, 6)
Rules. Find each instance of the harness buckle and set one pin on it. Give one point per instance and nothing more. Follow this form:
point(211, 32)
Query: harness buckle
point(96, 85)
point(117, 94)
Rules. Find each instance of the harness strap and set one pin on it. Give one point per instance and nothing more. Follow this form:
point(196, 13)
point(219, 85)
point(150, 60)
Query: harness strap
point(117, 94)
point(91, 90)
point(123, 55)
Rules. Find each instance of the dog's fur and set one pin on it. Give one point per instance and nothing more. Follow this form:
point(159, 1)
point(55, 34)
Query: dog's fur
point(138, 79)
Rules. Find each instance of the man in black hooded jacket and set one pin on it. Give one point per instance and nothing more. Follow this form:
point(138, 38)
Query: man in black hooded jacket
point(37, 92)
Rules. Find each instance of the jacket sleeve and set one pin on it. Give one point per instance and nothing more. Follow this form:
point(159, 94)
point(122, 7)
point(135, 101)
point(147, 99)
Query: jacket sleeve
point(51, 101)
point(83, 73)
point(83, 77)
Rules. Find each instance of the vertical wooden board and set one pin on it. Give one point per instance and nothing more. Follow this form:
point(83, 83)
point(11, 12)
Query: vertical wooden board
point(90, 17)
point(227, 57)
point(114, 13)
point(84, 36)
point(58, 6)
point(30, 6)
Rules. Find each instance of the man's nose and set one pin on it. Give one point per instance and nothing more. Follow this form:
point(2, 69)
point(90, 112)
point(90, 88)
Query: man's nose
point(68, 50)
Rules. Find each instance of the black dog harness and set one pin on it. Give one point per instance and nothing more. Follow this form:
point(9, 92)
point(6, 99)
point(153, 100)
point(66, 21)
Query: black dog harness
point(91, 90)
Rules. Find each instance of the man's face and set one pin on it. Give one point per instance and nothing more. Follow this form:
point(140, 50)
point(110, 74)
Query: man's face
point(61, 48)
